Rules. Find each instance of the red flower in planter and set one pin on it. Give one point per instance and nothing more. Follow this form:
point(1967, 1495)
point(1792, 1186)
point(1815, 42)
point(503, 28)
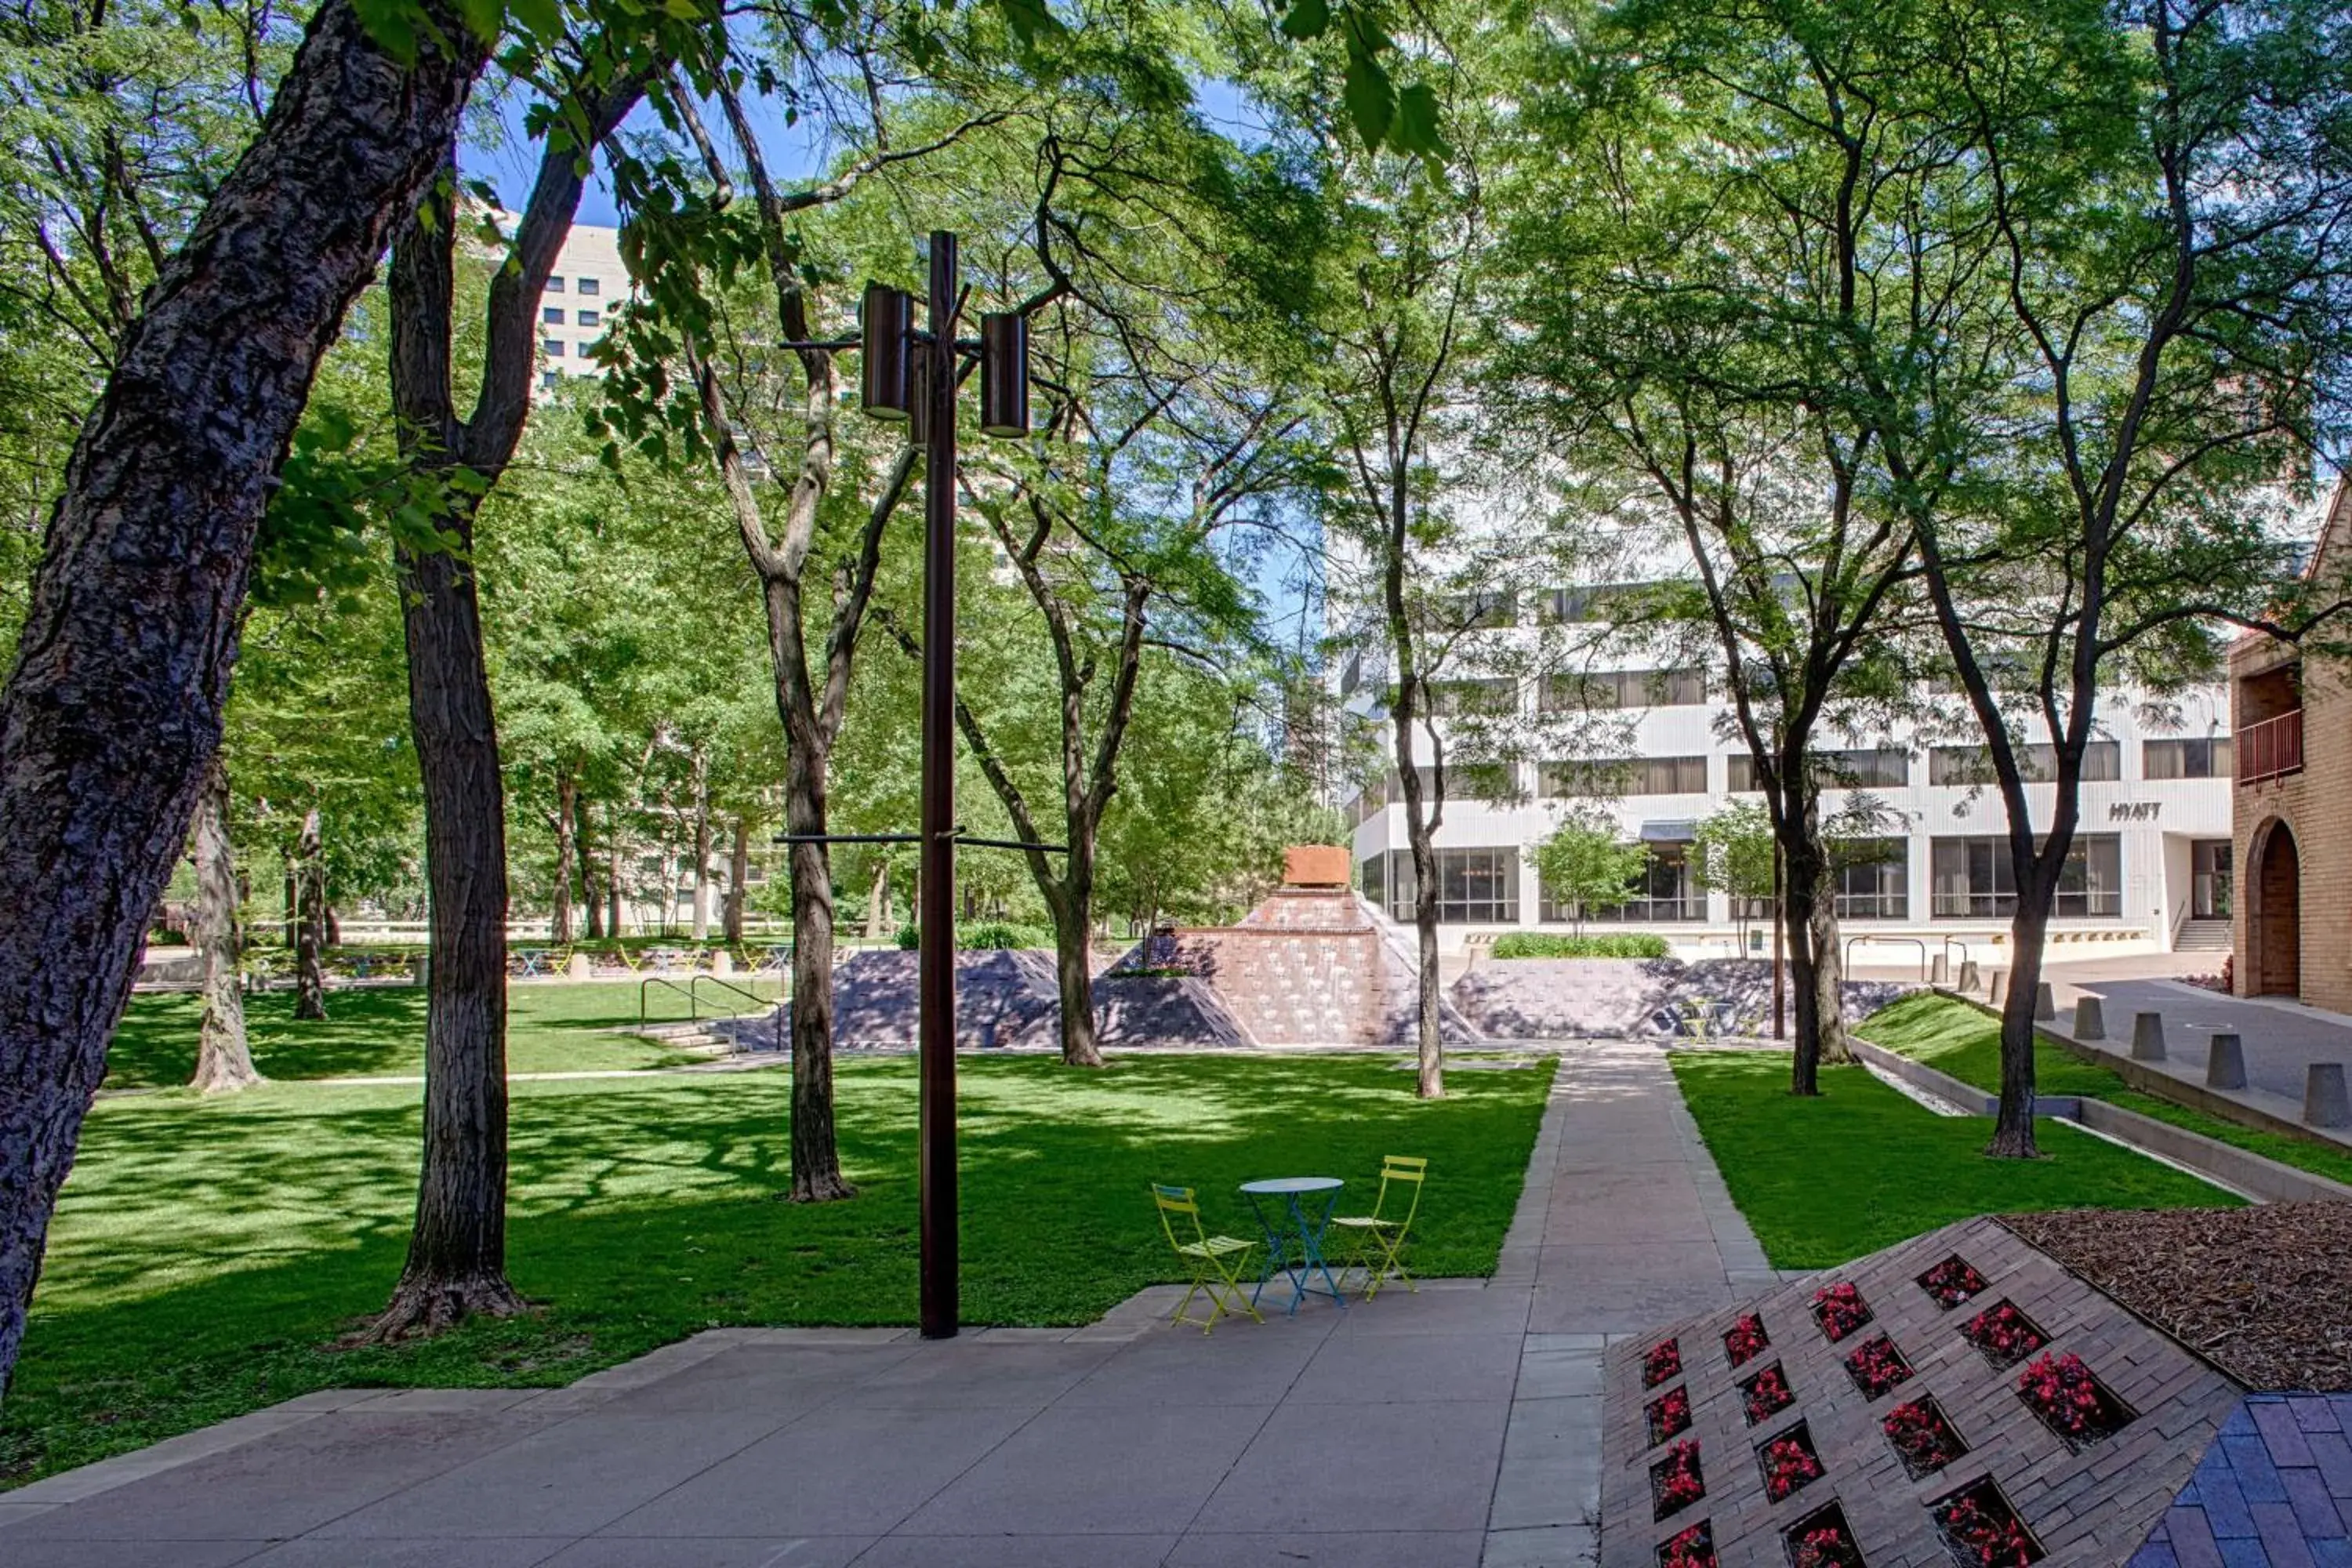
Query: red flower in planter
point(1992, 1537)
point(1663, 1360)
point(1826, 1546)
point(1788, 1465)
point(1951, 1282)
point(1669, 1414)
point(1766, 1393)
point(2003, 1332)
point(1877, 1367)
point(1922, 1436)
point(1840, 1309)
point(1694, 1548)
point(2061, 1390)
point(1745, 1340)
point(1676, 1478)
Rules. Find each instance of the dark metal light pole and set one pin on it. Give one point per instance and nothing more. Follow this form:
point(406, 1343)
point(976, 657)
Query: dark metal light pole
point(910, 375)
point(935, 911)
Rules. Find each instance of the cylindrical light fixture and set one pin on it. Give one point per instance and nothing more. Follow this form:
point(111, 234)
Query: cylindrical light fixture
point(885, 384)
point(1004, 374)
point(918, 391)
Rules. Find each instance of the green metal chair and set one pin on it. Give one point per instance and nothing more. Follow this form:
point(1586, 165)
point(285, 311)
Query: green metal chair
point(1216, 1261)
point(1376, 1240)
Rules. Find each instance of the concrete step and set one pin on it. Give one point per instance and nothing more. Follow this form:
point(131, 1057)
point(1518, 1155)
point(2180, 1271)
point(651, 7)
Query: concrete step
point(2204, 936)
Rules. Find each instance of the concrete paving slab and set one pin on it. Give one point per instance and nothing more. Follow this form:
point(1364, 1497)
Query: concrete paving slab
point(1389, 1549)
point(1559, 1546)
point(318, 1552)
point(28, 1553)
point(1096, 1471)
point(956, 1374)
point(1371, 1466)
point(1018, 1552)
point(1434, 1311)
point(711, 1552)
point(1383, 1369)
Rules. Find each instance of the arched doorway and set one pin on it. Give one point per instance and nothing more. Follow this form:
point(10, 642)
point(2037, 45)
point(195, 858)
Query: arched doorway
point(2274, 917)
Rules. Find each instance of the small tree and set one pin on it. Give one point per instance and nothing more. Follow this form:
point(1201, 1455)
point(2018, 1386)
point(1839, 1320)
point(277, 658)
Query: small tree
point(1733, 854)
point(1586, 863)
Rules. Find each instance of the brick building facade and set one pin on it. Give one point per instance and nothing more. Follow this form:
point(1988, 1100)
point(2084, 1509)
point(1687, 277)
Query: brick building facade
point(2292, 715)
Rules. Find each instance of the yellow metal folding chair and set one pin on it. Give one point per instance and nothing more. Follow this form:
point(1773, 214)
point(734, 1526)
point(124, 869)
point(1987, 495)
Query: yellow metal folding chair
point(1216, 1261)
point(1376, 1240)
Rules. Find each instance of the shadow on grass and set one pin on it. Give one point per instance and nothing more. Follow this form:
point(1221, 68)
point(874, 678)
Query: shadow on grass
point(208, 1252)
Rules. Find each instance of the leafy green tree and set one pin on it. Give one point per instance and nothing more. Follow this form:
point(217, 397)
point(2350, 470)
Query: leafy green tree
point(1733, 854)
point(1586, 862)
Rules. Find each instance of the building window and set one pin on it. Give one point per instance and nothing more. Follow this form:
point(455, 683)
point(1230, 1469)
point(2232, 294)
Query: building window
point(1471, 781)
point(1351, 674)
point(2103, 762)
point(553, 315)
point(1663, 891)
point(2185, 759)
point(1623, 777)
point(1871, 880)
point(1971, 879)
point(1371, 879)
point(1455, 698)
point(1475, 886)
point(551, 347)
point(548, 379)
point(591, 319)
point(1883, 769)
point(555, 284)
point(1371, 799)
point(1611, 602)
point(1624, 689)
point(591, 287)
point(1490, 610)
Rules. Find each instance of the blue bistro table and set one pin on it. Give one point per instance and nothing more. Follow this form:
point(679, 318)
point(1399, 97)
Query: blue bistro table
point(1296, 1209)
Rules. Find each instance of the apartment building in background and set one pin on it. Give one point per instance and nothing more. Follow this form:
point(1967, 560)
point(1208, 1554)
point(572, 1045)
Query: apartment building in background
point(2151, 869)
point(2292, 713)
point(587, 284)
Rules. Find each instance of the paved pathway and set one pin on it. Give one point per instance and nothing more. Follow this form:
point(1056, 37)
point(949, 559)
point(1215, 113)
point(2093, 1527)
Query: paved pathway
point(2282, 1038)
point(1446, 1429)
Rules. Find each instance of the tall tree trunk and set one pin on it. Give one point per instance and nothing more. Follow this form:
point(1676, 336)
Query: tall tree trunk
point(816, 1157)
point(612, 873)
point(309, 923)
point(113, 708)
point(223, 1063)
point(2013, 1132)
point(292, 924)
point(456, 1252)
point(738, 869)
point(1828, 980)
point(1073, 923)
point(559, 918)
point(1430, 1049)
point(877, 901)
point(591, 889)
point(701, 846)
point(1800, 889)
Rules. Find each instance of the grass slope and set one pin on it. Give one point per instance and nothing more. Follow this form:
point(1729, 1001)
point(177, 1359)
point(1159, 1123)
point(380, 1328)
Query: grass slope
point(1859, 1168)
point(1954, 1037)
point(374, 1032)
point(207, 1253)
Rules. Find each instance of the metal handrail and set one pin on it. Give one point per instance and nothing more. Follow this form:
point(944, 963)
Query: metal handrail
point(1948, 952)
point(661, 980)
point(1919, 942)
point(758, 1003)
point(2269, 749)
point(693, 997)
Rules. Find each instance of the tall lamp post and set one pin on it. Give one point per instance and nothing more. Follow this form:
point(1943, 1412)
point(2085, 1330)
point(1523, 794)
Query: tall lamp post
point(910, 375)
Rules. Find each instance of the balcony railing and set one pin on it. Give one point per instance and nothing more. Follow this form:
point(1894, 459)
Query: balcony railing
point(2271, 749)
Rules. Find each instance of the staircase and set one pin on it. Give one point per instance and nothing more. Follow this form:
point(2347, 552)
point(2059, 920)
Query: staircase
point(687, 1039)
point(2203, 936)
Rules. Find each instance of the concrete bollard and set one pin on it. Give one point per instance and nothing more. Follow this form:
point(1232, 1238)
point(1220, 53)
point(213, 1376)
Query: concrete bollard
point(2147, 1036)
point(722, 962)
point(2225, 1063)
point(1970, 978)
point(579, 968)
point(2325, 1102)
point(1994, 992)
point(1939, 970)
point(2090, 1019)
point(2045, 1005)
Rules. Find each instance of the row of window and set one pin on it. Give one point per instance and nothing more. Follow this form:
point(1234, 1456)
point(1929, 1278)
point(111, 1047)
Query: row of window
point(588, 288)
point(1969, 879)
point(1592, 778)
point(553, 315)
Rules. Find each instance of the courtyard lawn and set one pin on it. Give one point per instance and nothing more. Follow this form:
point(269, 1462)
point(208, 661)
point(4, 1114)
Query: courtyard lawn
point(208, 1253)
point(379, 1032)
point(1952, 1036)
point(1822, 1180)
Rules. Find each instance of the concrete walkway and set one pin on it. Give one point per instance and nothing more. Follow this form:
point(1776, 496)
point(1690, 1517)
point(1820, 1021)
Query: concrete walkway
point(2282, 1038)
point(1443, 1429)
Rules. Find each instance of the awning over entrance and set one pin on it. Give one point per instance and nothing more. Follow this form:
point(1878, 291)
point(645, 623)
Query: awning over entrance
point(1683, 832)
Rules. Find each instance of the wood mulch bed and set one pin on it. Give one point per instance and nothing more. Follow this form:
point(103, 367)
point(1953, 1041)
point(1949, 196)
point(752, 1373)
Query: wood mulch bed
point(2264, 1292)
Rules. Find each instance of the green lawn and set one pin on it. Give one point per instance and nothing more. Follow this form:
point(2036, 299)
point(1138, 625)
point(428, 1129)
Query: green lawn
point(372, 1033)
point(1861, 1167)
point(207, 1253)
point(1954, 1037)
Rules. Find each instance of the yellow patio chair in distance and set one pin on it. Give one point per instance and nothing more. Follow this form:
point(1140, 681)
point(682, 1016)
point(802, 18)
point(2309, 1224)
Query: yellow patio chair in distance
point(1215, 1261)
point(1378, 1237)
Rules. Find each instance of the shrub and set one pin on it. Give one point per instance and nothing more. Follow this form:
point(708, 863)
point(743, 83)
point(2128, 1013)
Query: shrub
point(1550, 944)
point(986, 935)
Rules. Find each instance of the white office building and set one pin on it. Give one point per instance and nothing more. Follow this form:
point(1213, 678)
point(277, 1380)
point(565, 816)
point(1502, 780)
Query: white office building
point(587, 284)
point(2150, 869)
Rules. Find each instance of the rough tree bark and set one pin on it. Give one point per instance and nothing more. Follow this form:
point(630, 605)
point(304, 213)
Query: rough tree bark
point(738, 869)
point(113, 708)
point(457, 1252)
point(223, 1062)
point(1829, 980)
point(309, 920)
point(877, 901)
point(559, 918)
point(701, 846)
point(591, 889)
